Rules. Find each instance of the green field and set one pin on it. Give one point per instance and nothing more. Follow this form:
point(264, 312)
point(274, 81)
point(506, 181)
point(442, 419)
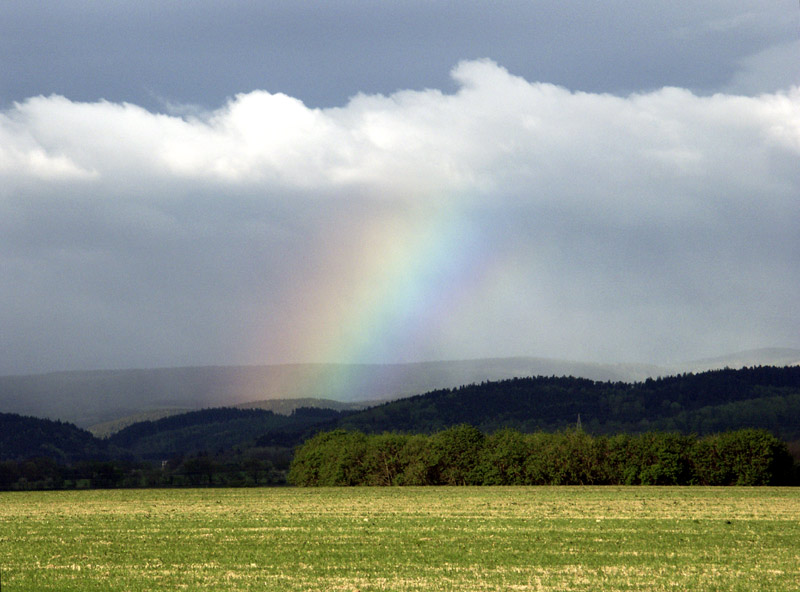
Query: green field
point(515, 538)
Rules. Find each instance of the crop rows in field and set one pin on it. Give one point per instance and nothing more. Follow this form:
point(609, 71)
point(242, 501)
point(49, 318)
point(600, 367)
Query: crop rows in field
point(515, 538)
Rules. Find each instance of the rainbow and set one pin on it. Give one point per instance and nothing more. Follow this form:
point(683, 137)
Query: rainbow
point(378, 295)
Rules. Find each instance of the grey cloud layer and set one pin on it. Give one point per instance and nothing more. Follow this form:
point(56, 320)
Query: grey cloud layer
point(658, 225)
point(150, 52)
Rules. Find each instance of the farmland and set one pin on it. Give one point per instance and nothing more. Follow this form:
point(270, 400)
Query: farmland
point(428, 538)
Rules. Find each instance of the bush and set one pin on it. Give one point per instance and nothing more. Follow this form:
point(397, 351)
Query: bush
point(383, 459)
point(744, 457)
point(502, 458)
point(456, 454)
point(330, 458)
point(416, 460)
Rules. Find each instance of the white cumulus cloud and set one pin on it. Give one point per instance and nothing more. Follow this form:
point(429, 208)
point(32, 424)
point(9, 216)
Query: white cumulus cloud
point(625, 219)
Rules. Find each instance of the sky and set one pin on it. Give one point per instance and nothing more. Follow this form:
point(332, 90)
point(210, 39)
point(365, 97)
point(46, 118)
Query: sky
point(383, 182)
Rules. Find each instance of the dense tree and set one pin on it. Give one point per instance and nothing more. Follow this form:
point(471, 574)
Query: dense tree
point(502, 460)
point(745, 457)
point(383, 459)
point(330, 458)
point(462, 455)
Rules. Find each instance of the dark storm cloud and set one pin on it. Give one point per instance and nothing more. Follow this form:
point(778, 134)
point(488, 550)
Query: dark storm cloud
point(506, 218)
point(246, 182)
point(155, 53)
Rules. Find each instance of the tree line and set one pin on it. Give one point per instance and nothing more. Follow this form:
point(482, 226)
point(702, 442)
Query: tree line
point(463, 455)
point(251, 467)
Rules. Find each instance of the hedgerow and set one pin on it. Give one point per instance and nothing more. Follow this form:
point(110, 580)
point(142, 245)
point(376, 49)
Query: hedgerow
point(462, 455)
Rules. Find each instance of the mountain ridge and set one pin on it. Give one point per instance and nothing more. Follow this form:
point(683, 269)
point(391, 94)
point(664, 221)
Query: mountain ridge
point(89, 398)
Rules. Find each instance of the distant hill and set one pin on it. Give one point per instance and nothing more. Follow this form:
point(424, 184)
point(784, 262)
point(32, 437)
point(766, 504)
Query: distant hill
point(24, 437)
point(287, 406)
point(202, 431)
point(704, 403)
point(278, 406)
point(107, 428)
point(98, 397)
point(215, 429)
point(772, 356)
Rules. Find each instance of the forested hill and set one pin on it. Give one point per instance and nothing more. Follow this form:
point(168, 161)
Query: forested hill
point(215, 429)
point(24, 437)
point(93, 399)
point(704, 403)
point(226, 446)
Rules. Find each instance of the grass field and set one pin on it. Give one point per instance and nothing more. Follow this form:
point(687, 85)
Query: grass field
point(540, 538)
